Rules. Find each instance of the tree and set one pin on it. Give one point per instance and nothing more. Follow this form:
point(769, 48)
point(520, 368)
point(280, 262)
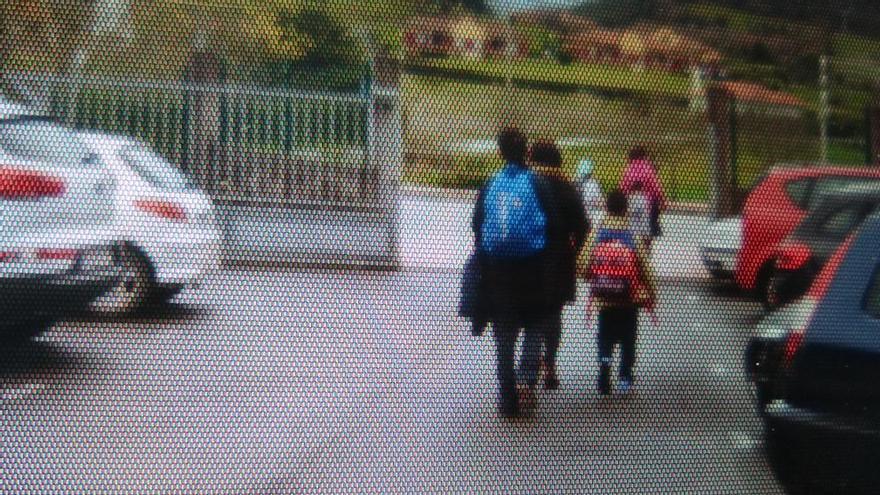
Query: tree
point(55, 31)
point(329, 42)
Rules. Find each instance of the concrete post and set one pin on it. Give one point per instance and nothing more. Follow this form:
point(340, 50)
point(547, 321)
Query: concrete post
point(205, 69)
point(722, 188)
point(385, 140)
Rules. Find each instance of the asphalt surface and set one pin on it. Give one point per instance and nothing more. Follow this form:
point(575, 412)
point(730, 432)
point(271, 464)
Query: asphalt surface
point(367, 382)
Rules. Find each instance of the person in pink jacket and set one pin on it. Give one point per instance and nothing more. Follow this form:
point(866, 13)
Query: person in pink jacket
point(641, 170)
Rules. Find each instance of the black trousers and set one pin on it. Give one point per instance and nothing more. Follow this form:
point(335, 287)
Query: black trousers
point(619, 325)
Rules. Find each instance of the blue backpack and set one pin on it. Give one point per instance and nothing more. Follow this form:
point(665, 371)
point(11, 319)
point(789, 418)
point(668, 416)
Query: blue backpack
point(514, 223)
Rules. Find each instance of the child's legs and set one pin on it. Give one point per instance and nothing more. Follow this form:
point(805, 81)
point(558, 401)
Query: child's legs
point(628, 331)
point(606, 337)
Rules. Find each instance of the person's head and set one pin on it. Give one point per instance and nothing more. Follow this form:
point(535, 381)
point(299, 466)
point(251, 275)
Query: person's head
point(544, 153)
point(638, 153)
point(616, 203)
point(585, 168)
point(512, 145)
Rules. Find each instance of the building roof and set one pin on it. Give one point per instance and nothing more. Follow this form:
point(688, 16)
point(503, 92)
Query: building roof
point(755, 93)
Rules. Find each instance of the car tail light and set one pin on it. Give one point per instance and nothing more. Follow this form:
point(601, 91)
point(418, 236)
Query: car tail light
point(793, 256)
point(799, 323)
point(793, 344)
point(162, 209)
point(826, 276)
point(57, 254)
point(17, 184)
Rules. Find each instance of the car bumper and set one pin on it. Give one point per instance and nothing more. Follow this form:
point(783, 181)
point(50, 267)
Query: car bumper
point(720, 262)
point(185, 262)
point(835, 452)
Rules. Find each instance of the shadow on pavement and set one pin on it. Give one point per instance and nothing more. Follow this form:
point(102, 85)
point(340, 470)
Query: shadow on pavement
point(162, 313)
point(34, 359)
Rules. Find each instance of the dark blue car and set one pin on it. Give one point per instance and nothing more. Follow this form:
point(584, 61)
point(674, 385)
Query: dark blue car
point(815, 365)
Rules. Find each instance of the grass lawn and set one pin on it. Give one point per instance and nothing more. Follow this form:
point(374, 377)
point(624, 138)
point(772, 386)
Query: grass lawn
point(685, 177)
point(442, 113)
point(602, 77)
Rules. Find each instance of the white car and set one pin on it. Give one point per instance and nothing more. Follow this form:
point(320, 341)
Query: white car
point(720, 247)
point(168, 226)
point(58, 249)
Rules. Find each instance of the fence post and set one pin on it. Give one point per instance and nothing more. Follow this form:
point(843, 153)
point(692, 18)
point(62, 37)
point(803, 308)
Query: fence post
point(385, 140)
point(205, 70)
point(721, 134)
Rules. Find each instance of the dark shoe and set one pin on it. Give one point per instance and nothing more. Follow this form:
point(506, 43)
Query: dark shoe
point(507, 411)
point(605, 380)
point(509, 407)
point(551, 381)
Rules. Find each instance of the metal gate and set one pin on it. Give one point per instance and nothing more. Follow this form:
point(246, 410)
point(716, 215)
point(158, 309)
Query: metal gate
point(299, 177)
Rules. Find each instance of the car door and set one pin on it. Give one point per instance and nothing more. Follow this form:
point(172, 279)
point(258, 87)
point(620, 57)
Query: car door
point(836, 371)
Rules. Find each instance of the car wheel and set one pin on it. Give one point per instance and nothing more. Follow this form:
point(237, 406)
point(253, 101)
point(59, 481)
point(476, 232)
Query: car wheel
point(772, 297)
point(132, 292)
point(764, 283)
point(779, 454)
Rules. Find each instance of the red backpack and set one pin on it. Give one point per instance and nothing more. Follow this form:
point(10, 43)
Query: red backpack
point(613, 270)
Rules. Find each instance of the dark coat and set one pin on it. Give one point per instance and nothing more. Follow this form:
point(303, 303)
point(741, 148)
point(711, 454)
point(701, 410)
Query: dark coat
point(471, 305)
point(520, 291)
point(567, 230)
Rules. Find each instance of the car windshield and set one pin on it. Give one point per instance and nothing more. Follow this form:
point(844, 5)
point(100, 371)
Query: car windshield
point(43, 142)
point(154, 169)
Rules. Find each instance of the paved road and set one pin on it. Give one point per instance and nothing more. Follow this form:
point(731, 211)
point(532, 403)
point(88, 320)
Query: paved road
point(316, 382)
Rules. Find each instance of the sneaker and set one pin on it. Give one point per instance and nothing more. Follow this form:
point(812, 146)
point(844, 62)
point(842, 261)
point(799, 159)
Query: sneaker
point(551, 381)
point(528, 400)
point(508, 408)
point(508, 411)
point(605, 380)
point(625, 385)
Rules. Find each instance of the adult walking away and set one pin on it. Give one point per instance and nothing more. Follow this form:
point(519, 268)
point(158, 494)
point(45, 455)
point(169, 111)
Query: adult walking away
point(621, 282)
point(590, 190)
point(567, 228)
point(641, 170)
point(510, 228)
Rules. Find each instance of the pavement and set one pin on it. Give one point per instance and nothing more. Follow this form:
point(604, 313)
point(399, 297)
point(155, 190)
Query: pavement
point(435, 234)
point(367, 382)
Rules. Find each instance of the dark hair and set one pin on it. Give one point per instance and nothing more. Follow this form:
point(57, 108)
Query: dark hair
point(638, 153)
point(617, 203)
point(546, 153)
point(637, 186)
point(512, 145)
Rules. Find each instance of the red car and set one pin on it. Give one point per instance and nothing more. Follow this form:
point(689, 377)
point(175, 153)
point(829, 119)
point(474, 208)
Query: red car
point(775, 207)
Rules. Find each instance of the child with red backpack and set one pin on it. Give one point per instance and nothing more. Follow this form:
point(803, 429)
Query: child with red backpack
point(621, 283)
